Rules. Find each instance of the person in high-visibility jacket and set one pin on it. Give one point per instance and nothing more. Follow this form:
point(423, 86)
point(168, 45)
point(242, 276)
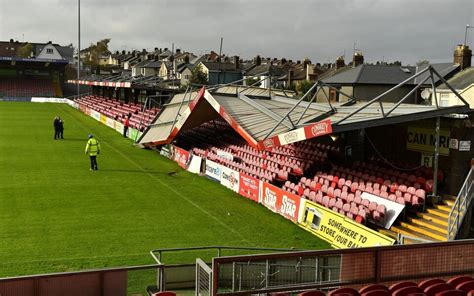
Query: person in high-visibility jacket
point(93, 149)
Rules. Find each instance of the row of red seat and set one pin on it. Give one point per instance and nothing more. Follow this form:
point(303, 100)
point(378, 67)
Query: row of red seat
point(456, 286)
point(119, 110)
point(339, 190)
point(26, 87)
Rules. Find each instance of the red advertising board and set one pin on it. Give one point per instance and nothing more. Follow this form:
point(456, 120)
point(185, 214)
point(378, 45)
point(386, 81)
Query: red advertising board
point(318, 129)
point(181, 156)
point(281, 202)
point(249, 187)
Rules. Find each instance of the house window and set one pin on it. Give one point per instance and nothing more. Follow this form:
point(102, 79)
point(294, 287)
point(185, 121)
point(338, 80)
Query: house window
point(49, 50)
point(444, 100)
point(187, 76)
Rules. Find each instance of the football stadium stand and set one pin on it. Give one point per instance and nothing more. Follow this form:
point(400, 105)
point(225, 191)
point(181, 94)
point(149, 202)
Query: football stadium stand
point(139, 117)
point(304, 168)
point(27, 87)
point(285, 143)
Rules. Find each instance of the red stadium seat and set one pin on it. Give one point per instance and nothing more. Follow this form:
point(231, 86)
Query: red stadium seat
point(466, 286)
point(455, 281)
point(452, 293)
point(400, 285)
point(430, 282)
point(312, 293)
point(438, 288)
point(164, 293)
point(373, 287)
point(406, 291)
point(348, 291)
point(377, 293)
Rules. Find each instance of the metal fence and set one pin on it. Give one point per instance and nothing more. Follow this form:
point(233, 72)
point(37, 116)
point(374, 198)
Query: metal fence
point(203, 278)
point(120, 281)
point(180, 258)
point(461, 205)
point(323, 270)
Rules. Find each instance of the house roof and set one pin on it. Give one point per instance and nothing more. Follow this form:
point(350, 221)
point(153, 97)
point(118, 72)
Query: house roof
point(372, 74)
point(152, 64)
point(461, 80)
point(447, 70)
point(274, 70)
point(181, 67)
point(215, 66)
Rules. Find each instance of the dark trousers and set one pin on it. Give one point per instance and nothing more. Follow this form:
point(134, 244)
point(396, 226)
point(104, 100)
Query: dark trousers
point(93, 162)
point(57, 134)
point(61, 133)
point(125, 129)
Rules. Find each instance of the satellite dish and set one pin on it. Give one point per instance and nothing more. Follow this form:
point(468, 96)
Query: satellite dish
point(425, 94)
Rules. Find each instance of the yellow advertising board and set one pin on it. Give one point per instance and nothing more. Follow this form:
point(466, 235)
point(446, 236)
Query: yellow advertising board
point(423, 140)
point(103, 118)
point(340, 231)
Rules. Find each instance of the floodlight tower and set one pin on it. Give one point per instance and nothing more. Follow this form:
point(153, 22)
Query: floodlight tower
point(78, 45)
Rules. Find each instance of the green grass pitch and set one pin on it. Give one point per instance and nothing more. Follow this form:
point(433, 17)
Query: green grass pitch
point(56, 215)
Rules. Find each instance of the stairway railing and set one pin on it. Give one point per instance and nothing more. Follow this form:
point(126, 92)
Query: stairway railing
point(461, 205)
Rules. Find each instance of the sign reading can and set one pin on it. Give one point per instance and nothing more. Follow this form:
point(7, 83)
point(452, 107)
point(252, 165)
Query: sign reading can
point(423, 140)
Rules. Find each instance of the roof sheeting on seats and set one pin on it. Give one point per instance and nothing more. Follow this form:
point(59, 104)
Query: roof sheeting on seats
point(277, 120)
point(160, 129)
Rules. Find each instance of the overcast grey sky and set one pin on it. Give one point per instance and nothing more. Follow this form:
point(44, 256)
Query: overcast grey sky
point(319, 29)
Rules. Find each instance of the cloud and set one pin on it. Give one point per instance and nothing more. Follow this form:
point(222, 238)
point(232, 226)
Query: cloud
point(383, 29)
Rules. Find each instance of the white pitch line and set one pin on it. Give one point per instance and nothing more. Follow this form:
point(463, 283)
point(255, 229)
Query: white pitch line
point(171, 188)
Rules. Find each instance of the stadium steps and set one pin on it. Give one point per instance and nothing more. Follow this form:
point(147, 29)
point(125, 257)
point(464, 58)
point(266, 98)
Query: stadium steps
point(388, 232)
point(57, 86)
point(448, 200)
point(430, 225)
point(426, 231)
point(409, 232)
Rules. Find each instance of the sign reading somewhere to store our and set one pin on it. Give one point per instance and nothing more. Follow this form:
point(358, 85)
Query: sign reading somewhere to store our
point(340, 231)
point(423, 140)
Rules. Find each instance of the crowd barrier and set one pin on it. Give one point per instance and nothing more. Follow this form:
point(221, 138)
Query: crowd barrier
point(337, 229)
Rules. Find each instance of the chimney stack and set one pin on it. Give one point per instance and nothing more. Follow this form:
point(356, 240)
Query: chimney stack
point(462, 56)
point(258, 60)
point(340, 62)
point(236, 62)
point(357, 59)
point(178, 51)
point(290, 77)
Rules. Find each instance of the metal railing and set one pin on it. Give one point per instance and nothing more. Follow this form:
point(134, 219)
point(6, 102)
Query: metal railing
point(203, 278)
point(157, 255)
point(403, 238)
point(128, 280)
point(302, 271)
point(461, 205)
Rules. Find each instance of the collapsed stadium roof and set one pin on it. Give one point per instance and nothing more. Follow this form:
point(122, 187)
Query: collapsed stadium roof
point(276, 120)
